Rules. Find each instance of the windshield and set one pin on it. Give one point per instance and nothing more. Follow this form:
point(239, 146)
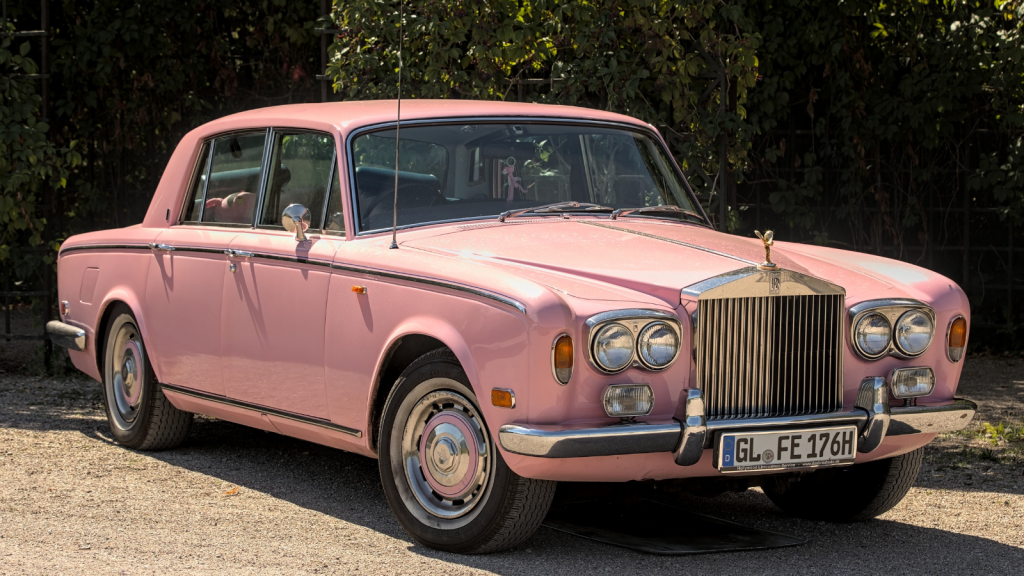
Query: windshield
point(461, 171)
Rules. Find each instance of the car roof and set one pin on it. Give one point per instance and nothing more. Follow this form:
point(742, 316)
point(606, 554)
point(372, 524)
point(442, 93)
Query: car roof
point(347, 116)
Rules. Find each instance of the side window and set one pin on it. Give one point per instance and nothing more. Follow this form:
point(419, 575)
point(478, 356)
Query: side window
point(335, 221)
point(194, 199)
point(234, 178)
point(300, 171)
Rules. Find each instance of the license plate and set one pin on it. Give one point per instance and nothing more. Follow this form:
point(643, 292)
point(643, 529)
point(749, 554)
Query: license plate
point(781, 449)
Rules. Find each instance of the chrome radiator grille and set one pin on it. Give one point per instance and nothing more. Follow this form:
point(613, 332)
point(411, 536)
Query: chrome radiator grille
point(770, 356)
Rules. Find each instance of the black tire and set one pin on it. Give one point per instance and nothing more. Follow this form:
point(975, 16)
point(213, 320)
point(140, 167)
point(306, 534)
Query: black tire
point(139, 414)
point(496, 510)
point(850, 494)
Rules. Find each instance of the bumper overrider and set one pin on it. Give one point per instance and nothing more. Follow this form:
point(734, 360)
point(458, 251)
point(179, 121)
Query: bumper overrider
point(688, 438)
point(66, 335)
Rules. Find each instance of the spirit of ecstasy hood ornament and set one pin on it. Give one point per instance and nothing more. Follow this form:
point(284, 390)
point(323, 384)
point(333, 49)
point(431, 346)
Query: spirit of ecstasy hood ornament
point(768, 238)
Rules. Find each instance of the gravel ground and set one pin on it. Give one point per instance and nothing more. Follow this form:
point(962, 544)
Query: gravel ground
point(238, 501)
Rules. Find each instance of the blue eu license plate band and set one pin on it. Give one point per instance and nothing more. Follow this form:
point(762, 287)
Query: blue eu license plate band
point(786, 449)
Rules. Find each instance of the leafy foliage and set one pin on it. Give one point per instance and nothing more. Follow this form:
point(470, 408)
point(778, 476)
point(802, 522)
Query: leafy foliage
point(654, 59)
point(32, 167)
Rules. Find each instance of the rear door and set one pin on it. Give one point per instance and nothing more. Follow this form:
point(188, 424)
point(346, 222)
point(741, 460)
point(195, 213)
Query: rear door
point(184, 289)
point(275, 290)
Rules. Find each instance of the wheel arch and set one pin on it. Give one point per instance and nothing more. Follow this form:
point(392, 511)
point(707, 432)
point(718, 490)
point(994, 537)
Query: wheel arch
point(405, 345)
point(106, 310)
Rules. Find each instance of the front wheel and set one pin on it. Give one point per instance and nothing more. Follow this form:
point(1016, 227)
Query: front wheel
point(442, 475)
point(849, 494)
point(139, 414)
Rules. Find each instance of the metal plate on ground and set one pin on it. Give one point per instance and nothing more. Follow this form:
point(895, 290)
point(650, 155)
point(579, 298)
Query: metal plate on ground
point(657, 528)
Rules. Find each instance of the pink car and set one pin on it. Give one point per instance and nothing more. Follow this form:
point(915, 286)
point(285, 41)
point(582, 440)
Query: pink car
point(557, 307)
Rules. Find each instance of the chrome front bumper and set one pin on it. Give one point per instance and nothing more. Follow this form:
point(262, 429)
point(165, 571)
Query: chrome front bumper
point(873, 416)
point(66, 335)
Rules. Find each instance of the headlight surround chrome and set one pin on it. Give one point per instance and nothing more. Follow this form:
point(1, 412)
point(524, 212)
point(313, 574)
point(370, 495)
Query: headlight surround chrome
point(613, 347)
point(913, 332)
point(869, 319)
point(636, 322)
point(658, 345)
point(873, 335)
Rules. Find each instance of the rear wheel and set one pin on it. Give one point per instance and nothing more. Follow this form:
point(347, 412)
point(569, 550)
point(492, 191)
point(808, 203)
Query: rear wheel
point(139, 414)
point(850, 494)
point(442, 475)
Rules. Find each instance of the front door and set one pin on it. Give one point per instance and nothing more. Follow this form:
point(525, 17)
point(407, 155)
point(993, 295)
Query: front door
point(275, 292)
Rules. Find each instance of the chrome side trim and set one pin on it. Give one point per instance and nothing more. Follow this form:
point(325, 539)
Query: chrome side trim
point(66, 335)
point(670, 241)
point(103, 247)
point(432, 282)
point(932, 419)
point(615, 439)
point(262, 409)
point(873, 398)
point(511, 302)
point(695, 431)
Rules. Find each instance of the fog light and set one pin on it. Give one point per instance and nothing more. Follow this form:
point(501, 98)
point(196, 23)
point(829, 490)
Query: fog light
point(912, 382)
point(626, 400)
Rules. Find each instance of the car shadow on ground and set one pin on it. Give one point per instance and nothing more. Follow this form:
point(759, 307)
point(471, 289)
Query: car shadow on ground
point(346, 487)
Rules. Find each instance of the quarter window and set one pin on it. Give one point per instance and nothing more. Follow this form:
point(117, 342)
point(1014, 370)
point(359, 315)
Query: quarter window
point(335, 221)
point(233, 178)
point(300, 171)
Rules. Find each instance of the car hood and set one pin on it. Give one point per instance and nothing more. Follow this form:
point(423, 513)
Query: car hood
point(597, 258)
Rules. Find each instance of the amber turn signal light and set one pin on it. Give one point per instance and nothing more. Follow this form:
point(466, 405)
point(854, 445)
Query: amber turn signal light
point(503, 398)
point(561, 358)
point(359, 289)
point(956, 339)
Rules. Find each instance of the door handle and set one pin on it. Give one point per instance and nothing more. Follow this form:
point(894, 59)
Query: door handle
point(238, 253)
point(161, 247)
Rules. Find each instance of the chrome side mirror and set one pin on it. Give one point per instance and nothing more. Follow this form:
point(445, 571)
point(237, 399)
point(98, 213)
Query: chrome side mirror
point(295, 218)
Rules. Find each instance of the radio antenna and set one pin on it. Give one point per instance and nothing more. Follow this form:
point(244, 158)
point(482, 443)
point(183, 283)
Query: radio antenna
point(398, 124)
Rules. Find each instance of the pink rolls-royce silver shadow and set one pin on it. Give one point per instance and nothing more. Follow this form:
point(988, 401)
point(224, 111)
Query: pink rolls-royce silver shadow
point(532, 295)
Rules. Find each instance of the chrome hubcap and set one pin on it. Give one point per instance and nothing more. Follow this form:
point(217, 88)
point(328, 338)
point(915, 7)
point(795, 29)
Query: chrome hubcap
point(445, 452)
point(128, 379)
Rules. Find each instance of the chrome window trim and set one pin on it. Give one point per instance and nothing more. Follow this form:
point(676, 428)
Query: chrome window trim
point(354, 199)
point(268, 155)
point(949, 326)
point(262, 409)
point(892, 309)
point(647, 316)
point(327, 194)
point(197, 173)
point(554, 374)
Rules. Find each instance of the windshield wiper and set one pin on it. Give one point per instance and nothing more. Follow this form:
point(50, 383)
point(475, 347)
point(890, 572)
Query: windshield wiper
point(556, 207)
point(660, 209)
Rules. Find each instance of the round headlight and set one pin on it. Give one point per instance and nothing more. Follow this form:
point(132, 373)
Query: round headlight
point(658, 345)
point(873, 335)
point(914, 332)
point(613, 347)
